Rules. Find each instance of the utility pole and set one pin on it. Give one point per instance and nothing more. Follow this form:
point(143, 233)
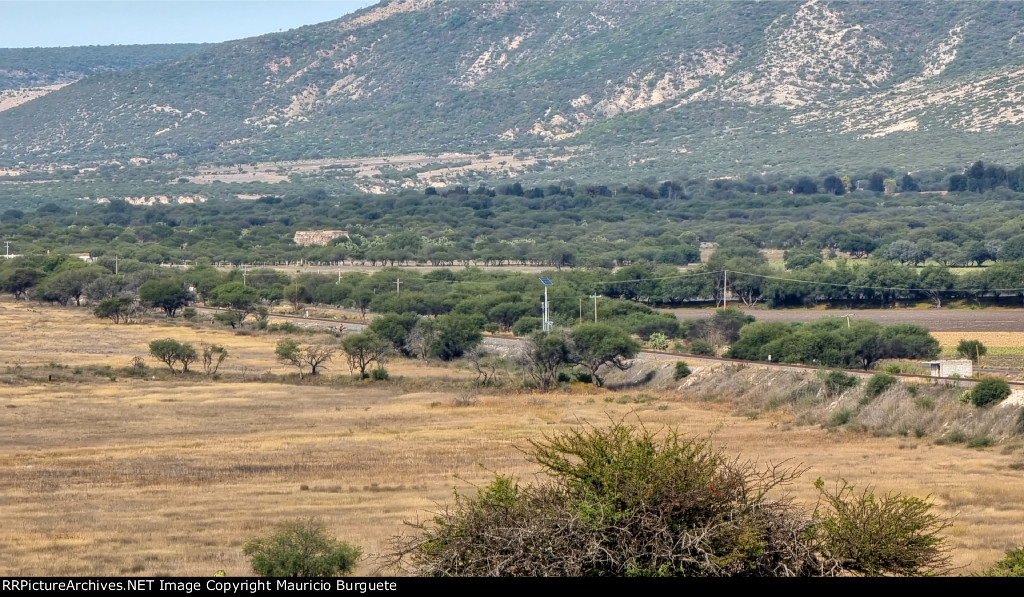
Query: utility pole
point(546, 323)
point(245, 272)
point(115, 265)
point(581, 311)
point(725, 289)
point(398, 286)
point(8, 243)
point(545, 326)
point(594, 296)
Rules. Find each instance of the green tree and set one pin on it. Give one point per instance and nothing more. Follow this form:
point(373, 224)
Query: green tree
point(876, 182)
point(836, 382)
point(937, 282)
point(905, 252)
point(395, 328)
point(171, 351)
point(230, 318)
point(508, 313)
point(169, 295)
point(360, 298)
point(365, 349)
point(722, 328)
point(295, 294)
point(118, 309)
point(971, 349)
point(525, 326)
point(598, 344)
point(833, 185)
point(988, 391)
point(235, 296)
point(747, 267)
point(879, 535)
point(313, 356)
point(805, 186)
point(204, 279)
point(800, 259)
point(885, 280)
point(544, 354)
point(879, 383)
point(68, 285)
point(21, 281)
point(450, 336)
point(213, 356)
point(857, 245)
point(1011, 566)
point(1012, 249)
point(832, 342)
point(301, 548)
point(625, 501)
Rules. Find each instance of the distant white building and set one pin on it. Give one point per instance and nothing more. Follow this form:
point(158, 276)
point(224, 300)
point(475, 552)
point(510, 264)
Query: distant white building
point(951, 368)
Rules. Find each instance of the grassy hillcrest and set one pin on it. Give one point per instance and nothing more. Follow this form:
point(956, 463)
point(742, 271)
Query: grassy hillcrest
point(646, 87)
point(37, 67)
point(30, 73)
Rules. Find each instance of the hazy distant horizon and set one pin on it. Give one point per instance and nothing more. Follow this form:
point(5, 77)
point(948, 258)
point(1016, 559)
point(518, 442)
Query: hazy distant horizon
point(65, 23)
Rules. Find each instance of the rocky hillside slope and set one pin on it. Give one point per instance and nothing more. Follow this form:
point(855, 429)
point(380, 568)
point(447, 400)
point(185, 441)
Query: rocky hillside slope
point(640, 86)
point(29, 73)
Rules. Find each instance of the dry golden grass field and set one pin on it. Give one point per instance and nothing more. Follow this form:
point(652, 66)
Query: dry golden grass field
point(1005, 349)
point(989, 339)
point(104, 474)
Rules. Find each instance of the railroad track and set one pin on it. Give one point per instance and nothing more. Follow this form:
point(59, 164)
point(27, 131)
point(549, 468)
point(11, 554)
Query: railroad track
point(348, 325)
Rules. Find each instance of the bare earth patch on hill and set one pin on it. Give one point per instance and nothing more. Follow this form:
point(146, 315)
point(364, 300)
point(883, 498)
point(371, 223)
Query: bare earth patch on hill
point(10, 98)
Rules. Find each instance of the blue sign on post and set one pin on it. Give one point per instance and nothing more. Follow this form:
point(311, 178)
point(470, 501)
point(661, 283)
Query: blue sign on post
point(546, 324)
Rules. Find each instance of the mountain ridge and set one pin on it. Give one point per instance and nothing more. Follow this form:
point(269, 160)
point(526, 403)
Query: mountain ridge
point(648, 86)
point(29, 73)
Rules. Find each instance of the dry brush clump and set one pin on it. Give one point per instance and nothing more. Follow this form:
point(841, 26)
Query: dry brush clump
point(624, 501)
point(301, 548)
point(922, 411)
point(879, 405)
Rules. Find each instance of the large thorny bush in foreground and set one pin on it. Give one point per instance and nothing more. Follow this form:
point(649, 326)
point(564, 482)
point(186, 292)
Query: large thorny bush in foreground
point(624, 501)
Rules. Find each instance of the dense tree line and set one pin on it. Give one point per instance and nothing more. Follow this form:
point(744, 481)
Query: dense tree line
point(442, 301)
point(506, 300)
point(442, 314)
point(833, 342)
point(557, 225)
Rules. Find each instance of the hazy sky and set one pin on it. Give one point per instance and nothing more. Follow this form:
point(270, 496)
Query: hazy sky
point(48, 23)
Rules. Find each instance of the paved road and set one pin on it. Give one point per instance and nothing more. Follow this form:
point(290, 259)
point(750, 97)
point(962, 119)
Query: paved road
point(936, 320)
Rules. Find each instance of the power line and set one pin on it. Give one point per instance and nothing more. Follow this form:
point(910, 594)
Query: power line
point(767, 277)
point(722, 272)
point(663, 278)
